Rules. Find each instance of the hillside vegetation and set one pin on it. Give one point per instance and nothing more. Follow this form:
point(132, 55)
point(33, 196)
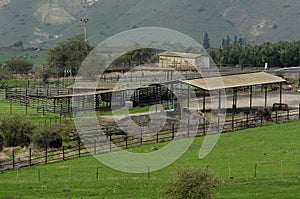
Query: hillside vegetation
point(48, 22)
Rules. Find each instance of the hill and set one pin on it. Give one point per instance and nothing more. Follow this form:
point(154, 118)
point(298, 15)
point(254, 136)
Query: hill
point(46, 22)
point(273, 150)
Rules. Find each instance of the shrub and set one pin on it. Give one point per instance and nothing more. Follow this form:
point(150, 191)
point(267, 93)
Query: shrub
point(45, 138)
point(191, 183)
point(16, 131)
point(66, 131)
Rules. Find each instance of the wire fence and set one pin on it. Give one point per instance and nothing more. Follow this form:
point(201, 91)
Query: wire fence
point(95, 143)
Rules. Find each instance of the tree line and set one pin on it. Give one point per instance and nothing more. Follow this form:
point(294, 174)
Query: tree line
point(68, 56)
point(281, 54)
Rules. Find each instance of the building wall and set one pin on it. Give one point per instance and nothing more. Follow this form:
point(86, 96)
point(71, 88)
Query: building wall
point(181, 63)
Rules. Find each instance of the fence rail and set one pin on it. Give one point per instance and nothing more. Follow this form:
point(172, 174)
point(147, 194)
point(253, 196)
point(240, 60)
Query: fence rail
point(116, 142)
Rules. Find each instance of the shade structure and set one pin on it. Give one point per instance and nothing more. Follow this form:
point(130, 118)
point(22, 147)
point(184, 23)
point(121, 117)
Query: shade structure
point(234, 81)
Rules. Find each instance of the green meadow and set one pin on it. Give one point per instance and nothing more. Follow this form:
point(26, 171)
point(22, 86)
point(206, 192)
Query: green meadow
point(38, 58)
point(262, 162)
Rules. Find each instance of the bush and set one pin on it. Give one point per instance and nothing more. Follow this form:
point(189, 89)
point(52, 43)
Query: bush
point(16, 131)
point(191, 183)
point(66, 131)
point(45, 138)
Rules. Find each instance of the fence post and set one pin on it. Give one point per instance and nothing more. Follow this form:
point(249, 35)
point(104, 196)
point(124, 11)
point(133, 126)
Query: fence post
point(247, 121)
point(126, 141)
point(39, 176)
point(232, 121)
point(299, 112)
point(13, 159)
point(149, 172)
point(95, 147)
point(46, 156)
point(63, 153)
point(203, 126)
point(156, 137)
point(30, 157)
point(97, 174)
point(10, 106)
point(188, 133)
point(141, 138)
point(79, 146)
point(288, 114)
point(276, 116)
point(173, 131)
point(255, 169)
point(110, 146)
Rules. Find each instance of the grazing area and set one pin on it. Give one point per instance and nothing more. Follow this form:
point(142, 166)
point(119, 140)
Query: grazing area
point(254, 163)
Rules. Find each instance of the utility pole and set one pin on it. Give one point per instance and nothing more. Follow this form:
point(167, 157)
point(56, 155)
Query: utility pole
point(84, 21)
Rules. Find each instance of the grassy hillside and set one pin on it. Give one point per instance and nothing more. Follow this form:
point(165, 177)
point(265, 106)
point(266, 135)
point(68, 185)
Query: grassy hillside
point(36, 57)
point(261, 21)
point(48, 22)
point(275, 149)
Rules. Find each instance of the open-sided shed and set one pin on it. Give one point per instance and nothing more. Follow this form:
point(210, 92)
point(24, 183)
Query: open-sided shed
point(236, 81)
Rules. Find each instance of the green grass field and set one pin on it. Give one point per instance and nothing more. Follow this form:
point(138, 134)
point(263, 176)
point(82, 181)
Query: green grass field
point(37, 58)
point(37, 118)
point(275, 149)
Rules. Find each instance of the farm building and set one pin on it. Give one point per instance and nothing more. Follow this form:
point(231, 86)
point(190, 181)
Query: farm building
point(183, 61)
point(160, 92)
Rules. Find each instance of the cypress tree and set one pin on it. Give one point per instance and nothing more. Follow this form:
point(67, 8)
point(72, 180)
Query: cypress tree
point(206, 42)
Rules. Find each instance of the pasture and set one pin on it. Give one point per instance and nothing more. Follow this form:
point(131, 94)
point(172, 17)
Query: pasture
point(261, 162)
point(38, 58)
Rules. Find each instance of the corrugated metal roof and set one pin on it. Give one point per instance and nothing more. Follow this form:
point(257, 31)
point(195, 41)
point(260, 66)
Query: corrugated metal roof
point(100, 92)
point(183, 55)
point(234, 81)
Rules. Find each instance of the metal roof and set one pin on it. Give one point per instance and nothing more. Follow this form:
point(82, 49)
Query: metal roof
point(183, 55)
point(234, 81)
point(99, 92)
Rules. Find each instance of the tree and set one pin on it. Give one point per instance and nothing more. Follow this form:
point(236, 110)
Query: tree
point(192, 183)
point(4, 76)
point(69, 54)
point(18, 65)
point(16, 131)
point(45, 138)
point(206, 42)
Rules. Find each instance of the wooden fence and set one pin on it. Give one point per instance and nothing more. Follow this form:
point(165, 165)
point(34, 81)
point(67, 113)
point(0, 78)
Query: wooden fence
point(116, 142)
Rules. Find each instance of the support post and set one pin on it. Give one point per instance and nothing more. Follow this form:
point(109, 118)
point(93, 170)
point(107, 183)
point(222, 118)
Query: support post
point(220, 103)
point(280, 93)
point(188, 132)
point(266, 95)
point(251, 97)
point(204, 100)
point(189, 96)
